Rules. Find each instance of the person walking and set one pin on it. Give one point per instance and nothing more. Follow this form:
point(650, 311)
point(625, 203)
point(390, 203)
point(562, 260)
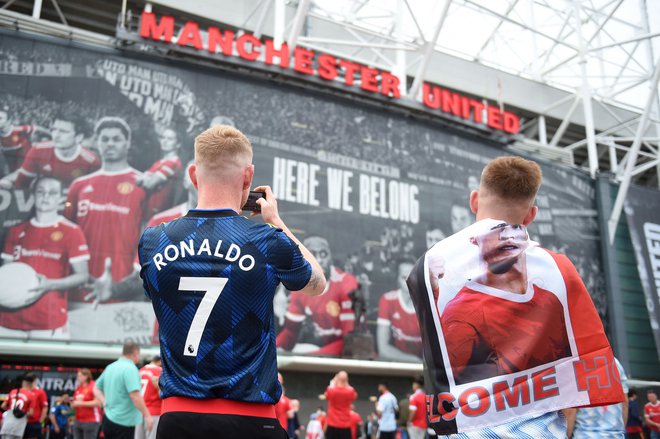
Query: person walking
point(87, 407)
point(118, 389)
point(339, 395)
point(386, 407)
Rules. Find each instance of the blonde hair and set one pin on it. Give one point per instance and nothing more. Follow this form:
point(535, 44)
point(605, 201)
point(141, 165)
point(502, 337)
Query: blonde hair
point(86, 373)
point(511, 178)
point(221, 145)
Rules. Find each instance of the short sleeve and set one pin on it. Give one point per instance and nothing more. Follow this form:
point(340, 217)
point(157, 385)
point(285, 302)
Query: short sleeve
point(100, 382)
point(8, 249)
point(290, 267)
point(133, 381)
point(77, 246)
point(383, 311)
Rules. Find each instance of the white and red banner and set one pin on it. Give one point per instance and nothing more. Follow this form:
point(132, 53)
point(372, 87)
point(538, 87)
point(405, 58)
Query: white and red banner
point(509, 330)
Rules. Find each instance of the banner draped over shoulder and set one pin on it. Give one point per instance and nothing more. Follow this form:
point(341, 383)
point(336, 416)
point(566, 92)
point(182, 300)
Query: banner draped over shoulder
point(508, 330)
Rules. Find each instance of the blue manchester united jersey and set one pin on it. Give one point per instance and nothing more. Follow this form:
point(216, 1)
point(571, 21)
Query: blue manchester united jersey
point(211, 276)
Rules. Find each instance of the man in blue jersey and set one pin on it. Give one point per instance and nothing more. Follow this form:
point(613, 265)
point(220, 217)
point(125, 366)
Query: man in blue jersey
point(211, 276)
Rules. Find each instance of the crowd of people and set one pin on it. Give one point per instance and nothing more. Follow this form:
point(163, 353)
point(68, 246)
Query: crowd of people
point(80, 415)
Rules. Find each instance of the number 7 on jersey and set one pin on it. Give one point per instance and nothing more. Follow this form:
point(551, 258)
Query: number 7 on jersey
point(212, 286)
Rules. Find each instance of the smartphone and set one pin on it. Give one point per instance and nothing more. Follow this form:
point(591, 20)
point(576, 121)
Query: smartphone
point(251, 203)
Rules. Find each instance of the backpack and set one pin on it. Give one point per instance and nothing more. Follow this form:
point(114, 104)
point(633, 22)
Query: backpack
point(18, 411)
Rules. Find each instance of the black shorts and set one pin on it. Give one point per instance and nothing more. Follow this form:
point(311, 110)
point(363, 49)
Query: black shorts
point(112, 430)
point(338, 433)
point(33, 430)
point(178, 425)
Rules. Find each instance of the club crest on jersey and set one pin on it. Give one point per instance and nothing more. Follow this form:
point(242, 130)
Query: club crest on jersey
point(125, 188)
point(332, 308)
point(57, 236)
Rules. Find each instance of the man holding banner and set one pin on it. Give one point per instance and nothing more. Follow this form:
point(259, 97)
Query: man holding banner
point(510, 333)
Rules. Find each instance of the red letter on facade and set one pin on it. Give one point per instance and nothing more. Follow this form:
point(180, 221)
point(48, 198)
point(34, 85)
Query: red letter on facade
point(157, 31)
point(511, 123)
point(225, 40)
point(327, 67)
point(190, 36)
point(451, 103)
point(282, 54)
point(243, 52)
point(389, 85)
point(350, 68)
point(369, 79)
point(494, 118)
point(478, 109)
point(431, 95)
point(303, 60)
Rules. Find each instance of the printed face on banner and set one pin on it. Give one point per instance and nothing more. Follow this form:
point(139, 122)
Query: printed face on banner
point(501, 320)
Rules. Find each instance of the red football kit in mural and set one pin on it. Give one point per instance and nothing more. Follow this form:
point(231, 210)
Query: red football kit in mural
point(15, 146)
point(43, 160)
point(494, 332)
point(330, 314)
point(406, 335)
point(168, 215)
point(49, 249)
point(161, 198)
point(108, 206)
point(163, 217)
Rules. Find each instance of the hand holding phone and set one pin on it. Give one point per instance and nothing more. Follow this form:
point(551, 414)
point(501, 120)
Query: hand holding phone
point(251, 203)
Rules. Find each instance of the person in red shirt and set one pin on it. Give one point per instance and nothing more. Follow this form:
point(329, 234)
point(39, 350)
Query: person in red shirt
point(149, 375)
point(21, 398)
point(356, 422)
point(109, 205)
point(15, 141)
point(417, 415)
point(329, 315)
point(340, 395)
point(652, 413)
point(399, 337)
point(57, 250)
point(63, 157)
point(87, 407)
point(160, 179)
point(39, 403)
point(499, 323)
point(283, 407)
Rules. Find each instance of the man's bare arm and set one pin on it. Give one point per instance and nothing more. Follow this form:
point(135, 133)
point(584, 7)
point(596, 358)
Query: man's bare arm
point(316, 284)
